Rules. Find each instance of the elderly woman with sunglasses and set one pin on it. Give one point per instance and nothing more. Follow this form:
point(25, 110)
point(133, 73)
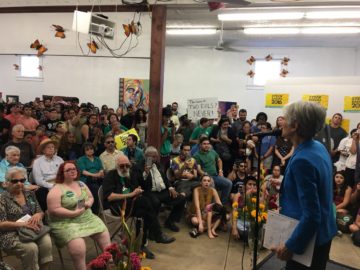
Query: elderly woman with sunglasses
point(70, 217)
point(15, 203)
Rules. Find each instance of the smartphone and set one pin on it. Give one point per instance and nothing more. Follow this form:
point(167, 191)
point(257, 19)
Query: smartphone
point(81, 203)
point(149, 161)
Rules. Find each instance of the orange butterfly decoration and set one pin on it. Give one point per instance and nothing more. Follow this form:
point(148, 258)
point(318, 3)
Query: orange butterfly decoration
point(93, 46)
point(60, 32)
point(284, 73)
point(130, 28)
point(268, 57)
point(39, 47)
point(16, 67)
point(285, 61)
point(40, 68)
point(251, 74)
point(251, 60)
point(127, 29)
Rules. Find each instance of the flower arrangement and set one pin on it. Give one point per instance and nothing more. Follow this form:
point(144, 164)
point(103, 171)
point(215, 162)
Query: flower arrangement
point(123, 256)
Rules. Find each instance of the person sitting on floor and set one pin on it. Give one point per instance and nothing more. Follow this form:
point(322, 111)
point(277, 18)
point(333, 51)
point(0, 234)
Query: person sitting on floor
point(70, 217)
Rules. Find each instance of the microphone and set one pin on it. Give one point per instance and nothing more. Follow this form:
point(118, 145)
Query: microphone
point(276, 133)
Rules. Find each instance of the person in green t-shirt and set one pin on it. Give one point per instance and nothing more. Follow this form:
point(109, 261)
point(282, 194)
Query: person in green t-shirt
point(203, 128)
point(210, 161)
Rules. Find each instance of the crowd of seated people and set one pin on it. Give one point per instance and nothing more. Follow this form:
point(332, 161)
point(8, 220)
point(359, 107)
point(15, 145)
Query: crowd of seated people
point(63, 153)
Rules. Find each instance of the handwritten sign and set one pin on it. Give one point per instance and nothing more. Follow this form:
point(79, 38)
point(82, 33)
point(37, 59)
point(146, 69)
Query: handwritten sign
point(351, 104)
point(202, 107)
point(323, 100)
point(276, 100)
point(121, 139)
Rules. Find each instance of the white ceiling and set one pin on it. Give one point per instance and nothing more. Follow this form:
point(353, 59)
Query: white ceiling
point(193, 13)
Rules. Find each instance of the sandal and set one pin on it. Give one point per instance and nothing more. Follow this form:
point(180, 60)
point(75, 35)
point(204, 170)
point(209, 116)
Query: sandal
point(194, 233)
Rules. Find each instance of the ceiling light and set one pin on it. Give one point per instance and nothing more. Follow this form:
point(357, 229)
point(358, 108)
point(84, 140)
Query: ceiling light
point(330, 30)
point(271, 31)
point(263, 16)
point(191, 31)
point(332, 15)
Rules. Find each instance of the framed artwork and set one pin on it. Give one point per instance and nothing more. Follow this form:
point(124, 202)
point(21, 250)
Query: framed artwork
point(12, 99)
point(134, 92)
point(225, 106)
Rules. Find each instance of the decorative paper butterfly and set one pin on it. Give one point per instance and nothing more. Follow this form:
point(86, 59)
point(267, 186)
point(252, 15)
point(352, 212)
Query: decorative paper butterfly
point(39, 47)
point(93, 46)
point(40, 68)
point(251, 74)
point(60, 32)
point(16, 67)
point(268, 57)
point(284, 73)
point(285, 61)
point(131, 28)
point(251, 60)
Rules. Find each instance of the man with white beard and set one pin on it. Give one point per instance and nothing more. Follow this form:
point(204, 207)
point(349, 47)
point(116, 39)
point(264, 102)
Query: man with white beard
point(120, 190)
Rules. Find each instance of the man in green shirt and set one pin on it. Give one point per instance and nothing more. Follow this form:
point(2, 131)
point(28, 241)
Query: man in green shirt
point(203, 128)
point(209, 161)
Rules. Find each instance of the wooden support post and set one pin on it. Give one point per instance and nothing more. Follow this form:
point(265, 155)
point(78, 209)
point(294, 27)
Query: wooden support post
point(157, 55)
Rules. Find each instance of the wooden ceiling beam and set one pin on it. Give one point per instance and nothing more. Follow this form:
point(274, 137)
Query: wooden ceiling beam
point(69, 9)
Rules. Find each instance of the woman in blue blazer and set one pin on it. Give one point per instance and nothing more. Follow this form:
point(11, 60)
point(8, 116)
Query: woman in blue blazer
point(306, 191)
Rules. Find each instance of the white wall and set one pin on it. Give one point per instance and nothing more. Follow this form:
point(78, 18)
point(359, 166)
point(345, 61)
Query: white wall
point(191, 73)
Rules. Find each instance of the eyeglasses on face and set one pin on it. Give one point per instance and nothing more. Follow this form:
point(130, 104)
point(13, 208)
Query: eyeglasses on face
point(110, 142)
point(70, 170)
point(123, 166)
point(15, 181)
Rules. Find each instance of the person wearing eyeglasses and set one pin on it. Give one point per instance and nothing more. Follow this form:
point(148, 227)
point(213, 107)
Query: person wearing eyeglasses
point(108, 157)
point(122, 193)
point(70, 217)
point(16, 203)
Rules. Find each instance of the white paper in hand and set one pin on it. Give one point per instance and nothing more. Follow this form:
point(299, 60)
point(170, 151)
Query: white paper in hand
point(24, 218)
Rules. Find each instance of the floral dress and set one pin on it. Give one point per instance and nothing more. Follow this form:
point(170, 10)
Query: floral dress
point(66, 229)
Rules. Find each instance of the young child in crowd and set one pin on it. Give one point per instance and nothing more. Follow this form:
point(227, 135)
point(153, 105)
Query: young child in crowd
point(206, 210)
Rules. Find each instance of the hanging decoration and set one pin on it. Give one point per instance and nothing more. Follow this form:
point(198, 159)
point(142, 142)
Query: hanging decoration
point(93, 46)
point(251, 74)
point(284, 73)
point(40, 68)
point(39, 47)
point(132, 28)
point(16, 67)
point(268, 57)
point(60, 31)
point(251, 60)
point(285, 61)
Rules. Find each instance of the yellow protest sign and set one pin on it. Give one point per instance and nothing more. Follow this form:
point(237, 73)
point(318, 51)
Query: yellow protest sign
point(121, 139)
point(351, 104)
point(345, 124)
point(276, 100)
point(323, 100)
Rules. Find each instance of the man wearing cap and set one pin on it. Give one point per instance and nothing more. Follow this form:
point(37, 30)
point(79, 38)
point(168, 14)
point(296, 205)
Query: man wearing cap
point(45, 169)
point(27, 152)
point(122, 193)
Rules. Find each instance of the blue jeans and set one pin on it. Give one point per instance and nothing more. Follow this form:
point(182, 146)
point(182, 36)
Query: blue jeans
point(224, 185)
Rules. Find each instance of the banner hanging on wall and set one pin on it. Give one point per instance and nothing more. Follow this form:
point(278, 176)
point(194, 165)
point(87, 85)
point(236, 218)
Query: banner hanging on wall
point(323, 100)
point(202, 107)
point(352, 104)
point(276, 100)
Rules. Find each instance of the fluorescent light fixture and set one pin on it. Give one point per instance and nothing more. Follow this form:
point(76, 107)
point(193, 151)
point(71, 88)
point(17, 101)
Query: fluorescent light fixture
point(332, 15)
point(271, 31)
point(303, 30)
point(191, 31)
point(263, 16)
point(330, 30)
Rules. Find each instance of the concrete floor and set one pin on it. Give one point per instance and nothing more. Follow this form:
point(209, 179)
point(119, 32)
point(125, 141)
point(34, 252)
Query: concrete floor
point(222, 253)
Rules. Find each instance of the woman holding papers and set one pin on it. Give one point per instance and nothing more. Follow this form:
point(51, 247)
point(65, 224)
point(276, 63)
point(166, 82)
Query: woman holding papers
point(306, 191)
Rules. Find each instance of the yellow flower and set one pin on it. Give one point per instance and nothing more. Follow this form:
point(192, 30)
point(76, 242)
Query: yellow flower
point(142, 255)
point(259, 219)
point(253, 213)
point(235, 214)
point(262, 206)
point(264, 216)
point(235, 205)
point(253, 200)
point(145, 268)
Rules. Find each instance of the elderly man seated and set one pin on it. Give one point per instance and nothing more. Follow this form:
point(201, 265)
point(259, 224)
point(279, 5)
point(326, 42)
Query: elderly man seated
point(122, 193)
point(157, 187)
point(45, 169)
point(11, 160)
point(185, 170)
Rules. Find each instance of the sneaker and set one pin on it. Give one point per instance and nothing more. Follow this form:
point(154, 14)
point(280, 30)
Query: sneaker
point(194, 233)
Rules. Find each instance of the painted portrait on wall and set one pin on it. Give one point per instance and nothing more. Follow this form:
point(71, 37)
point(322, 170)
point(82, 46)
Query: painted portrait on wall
point(134, 92)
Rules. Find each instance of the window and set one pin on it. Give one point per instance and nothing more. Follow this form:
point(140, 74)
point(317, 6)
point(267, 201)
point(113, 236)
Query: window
point(266, 70)
point(30, 68)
